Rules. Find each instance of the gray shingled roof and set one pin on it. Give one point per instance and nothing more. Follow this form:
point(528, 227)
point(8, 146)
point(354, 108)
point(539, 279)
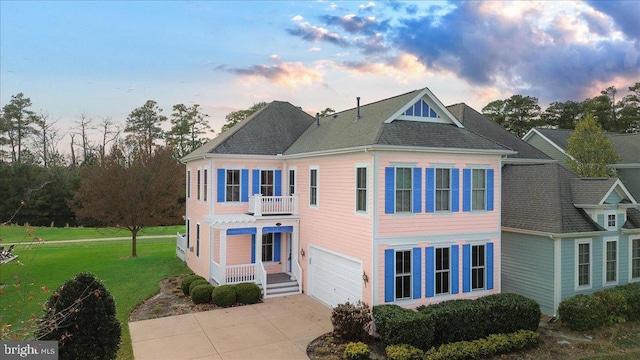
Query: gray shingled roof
point(633, 219)
point(479, 124)
point(268, 131)
point(538, 197)
point(626, 145)
point(342, 131)
point(590, 190)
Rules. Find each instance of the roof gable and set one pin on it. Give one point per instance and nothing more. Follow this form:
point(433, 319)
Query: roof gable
point(424, 107)
point(599, 191)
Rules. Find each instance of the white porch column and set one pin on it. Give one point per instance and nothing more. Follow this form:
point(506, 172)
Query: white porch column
point(258, 244)
point(223, 251)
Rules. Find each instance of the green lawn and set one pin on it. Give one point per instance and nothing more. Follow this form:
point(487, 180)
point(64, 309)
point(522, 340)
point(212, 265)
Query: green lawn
point(130, 280)
point(19, 234)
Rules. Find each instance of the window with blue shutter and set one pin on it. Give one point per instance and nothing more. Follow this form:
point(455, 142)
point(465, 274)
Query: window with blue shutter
point(245, 185)
point(255, 181)
point(454, 269)
point(417, 271)
point(389, 190)
point(417, 190)
point(431, 187)
point(389, 272)
point(489, 266)
point(490, 189)
point(430, 271)
point(466, 190)
point(278, 183)
point(221, 185)
point(466, 268)
point(455, 190)
point(253, 248)
point(276, 246)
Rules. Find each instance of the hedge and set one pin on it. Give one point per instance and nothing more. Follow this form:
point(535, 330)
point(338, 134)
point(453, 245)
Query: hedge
point(397, 325)
point(508, 313)
point(248, 293)
point(186, 282)
point(491, 345)
point(201, 294)
point(224, 295)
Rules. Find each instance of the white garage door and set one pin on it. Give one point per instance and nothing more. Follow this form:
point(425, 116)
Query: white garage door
point(334, 279)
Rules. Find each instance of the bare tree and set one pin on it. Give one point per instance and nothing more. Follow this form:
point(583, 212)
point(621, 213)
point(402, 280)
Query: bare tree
point(110, 132)
point(83, 127)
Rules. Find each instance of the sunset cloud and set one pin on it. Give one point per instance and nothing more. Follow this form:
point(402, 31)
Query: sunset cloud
point(287, 74)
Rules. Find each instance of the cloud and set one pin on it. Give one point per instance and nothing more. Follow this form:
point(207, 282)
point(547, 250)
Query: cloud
point(399, 66)
point(367, 7)
point(312, 33)
point(315, 49)
point(286, 74)
point(626, 14)
point(353, 24)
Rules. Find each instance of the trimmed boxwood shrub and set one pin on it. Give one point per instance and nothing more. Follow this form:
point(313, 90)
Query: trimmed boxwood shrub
point(186, 282)
point(357, 351)
point(248, 293)
point(397, 325)
point(582, 312)
point(224, 295)
point(456, 320)
point(403, 352)
point(351, 322)
point(491, 345)
point(507, 313)
point(195, 283)
point(201, 294)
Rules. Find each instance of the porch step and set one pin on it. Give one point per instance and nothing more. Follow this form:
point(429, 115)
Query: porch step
point(282, 288)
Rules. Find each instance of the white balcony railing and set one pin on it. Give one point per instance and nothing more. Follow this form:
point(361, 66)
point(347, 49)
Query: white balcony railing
point(181, 246)
point(271, 205)
point(236, 274)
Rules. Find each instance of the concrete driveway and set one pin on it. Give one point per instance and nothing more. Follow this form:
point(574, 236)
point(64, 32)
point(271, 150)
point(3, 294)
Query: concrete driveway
point(278, 328)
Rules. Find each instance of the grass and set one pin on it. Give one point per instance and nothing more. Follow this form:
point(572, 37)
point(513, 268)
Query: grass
point(19, 234)
point(130, 280)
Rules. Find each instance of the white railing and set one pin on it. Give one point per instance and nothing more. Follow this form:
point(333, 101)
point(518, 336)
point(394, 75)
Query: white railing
point(217, 273)
point(262, 278)
point(236, 274)
point(269, 205)
point(181, 246)
point(296, 272)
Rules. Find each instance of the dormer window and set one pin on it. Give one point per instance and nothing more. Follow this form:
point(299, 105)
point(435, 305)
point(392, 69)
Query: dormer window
point(421, 109)
point(611, 221)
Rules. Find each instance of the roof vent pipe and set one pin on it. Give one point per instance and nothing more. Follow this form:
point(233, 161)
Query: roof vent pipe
point(358, 107)
point(317, 119)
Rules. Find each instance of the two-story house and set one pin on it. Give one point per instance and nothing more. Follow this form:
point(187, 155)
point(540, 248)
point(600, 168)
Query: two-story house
point(389, 202)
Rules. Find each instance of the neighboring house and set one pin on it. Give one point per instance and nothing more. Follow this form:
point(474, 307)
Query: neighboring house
point(389, 202)
point(553, 142)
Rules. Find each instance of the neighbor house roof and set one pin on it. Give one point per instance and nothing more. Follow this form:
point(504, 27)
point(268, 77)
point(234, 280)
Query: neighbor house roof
point(376, 126)
point(539, 197)
point(479, 124)
point(591, 190)
point(633, 219)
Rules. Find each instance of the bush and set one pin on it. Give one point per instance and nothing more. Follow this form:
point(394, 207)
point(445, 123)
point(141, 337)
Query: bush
point(201, 294)
point(224, 295)
point(616, 304)
point(456, 320)
point(491, 345)
point(403, 352)
point(186, 282)
point(81, 316)
point(351, 322)
point(397, 325)
point(195, 283)
point(248, 293)
point(356, 351)
point(582, 312)
point(507, 313)
point(632, 295)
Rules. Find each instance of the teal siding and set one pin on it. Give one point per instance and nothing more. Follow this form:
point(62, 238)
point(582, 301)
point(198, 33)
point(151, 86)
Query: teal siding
point(631, 180)
point(613, 198)
point(548, 149)
point(527, 268)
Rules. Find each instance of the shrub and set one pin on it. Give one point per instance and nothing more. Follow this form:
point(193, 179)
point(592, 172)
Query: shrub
point(507, 313)
point(195, 283)
point(81, 316)
point(632, 295)
point(356, 351)
point(351, 322)
point(491, 345)
point(397, 325)
point(248, 293)
point(403, 352)
point(224, 295)
point(582, 312)
point(616, 303)
point(456, 320)
point(201, 294)
point(186, 282)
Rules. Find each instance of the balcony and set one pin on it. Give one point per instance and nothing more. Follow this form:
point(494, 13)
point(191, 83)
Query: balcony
point(273, 205)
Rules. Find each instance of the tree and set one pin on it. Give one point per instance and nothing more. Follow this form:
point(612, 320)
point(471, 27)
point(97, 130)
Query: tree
point(630, 109)
point(83, 126)
point(143, 126)
point(326, 112)
point(110, 133)
point(517, 114)
point(235, 117)
point(591, 150)
point(81, 316)
point(132, 191)
point(188, 126)
point(17, 124)
point(562, 115)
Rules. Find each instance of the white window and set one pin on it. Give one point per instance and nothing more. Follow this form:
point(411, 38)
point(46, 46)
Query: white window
point(403, 189)
point(292, 182)
point(583, 263)
point(443, 271)
point(611, 261)
point(188, 184)
point(610, 221)
point(233, 185)
point(313, 186)
point(403, 274)
point(198, 187)
point(267, 247)
point(635, 259)
point(478, 267)
point(266, 182)
point(198, 239)
point(443, 189)
point(361, 189)
point(206, 184)
point(478, 189)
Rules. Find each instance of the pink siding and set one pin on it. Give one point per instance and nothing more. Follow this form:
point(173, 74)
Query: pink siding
point(238, 249)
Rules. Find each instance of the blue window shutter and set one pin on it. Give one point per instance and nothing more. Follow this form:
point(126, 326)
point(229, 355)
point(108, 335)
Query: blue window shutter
point(455, 190)
point(276, 246)
point(431, 189)
point(417, 190)
point(389, 275)
point(253, 249)
point(255, 181)
point(489, 266)
point(466, 268)
point(417, 271)
point(244, 191)
point(454, 269)
point(277, 180)
point(389, 190)
point(466, 189)
point(221, 184)
point(429, 260)
point(489, 189)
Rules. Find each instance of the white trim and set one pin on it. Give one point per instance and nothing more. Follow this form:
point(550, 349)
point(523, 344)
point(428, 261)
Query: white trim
point(631, 239)
point(576, 269)
point(606, 220)
point(188, 189)
point(606, 240)
point(295, 180)
point(317, 203)
point(198, 238)
point(557, 271)
point(626, 192)
point(239, 185)
point(549, 234)
point(199, 184)
point(430, 98)
point(395, 190)
point(366, 166)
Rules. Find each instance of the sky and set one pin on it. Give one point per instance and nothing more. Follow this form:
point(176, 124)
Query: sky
point(104, 59)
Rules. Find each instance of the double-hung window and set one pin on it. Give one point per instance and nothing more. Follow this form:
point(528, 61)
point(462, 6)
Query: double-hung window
point(198, 239)
point(403, 189)
point(611, 261)
point(361, 189)
point(478, 266)
point(292, 182)
point(635, 259)
point(198, 187)
point(206, 184)
point(443, 271)
point(478, 190)
point(266, 182)
point(188, 184)
point(267, 247)
point(403, 274)
point(583, 263)
point(313, 186)
point(443, 189)
point(233, 185)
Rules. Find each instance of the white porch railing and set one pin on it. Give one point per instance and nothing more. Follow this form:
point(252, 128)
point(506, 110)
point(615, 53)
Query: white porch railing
point(217, 273)
point(270, 205)
point(181, 246)
point(296, 272)
point(262, 278)
point(236, 274)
